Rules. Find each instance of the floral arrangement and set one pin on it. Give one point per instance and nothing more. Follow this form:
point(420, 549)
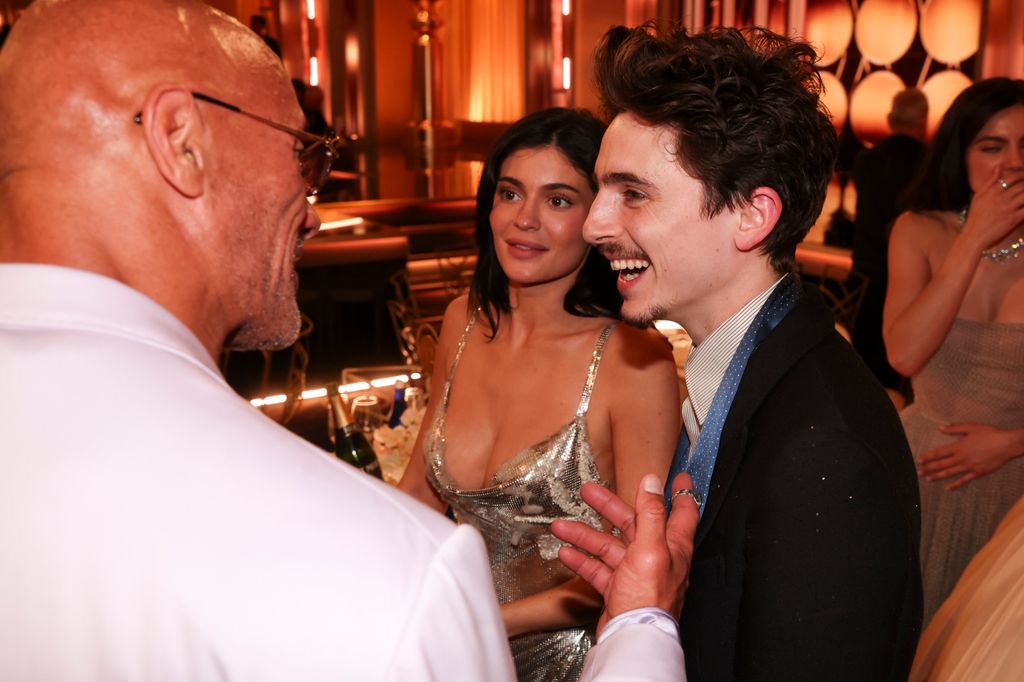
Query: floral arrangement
point(393, 445)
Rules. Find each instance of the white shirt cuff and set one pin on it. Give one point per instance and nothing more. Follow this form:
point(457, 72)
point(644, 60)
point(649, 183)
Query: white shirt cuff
point(649, 615)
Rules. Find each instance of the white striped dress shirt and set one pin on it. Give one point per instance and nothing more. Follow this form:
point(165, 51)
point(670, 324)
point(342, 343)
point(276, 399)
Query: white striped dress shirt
point(707, 362)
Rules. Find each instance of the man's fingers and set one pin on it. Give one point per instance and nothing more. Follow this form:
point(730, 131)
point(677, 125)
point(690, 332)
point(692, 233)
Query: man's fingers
point(682, 522)
point(588, 568)
point(607, 504)
point(650, 510)
point(606, 547)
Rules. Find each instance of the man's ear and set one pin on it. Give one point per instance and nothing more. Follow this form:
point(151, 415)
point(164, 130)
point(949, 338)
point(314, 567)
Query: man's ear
point(173, 129)
point(758, 218)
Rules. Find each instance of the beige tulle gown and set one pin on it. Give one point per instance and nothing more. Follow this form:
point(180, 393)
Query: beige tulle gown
point(977, 375)
point(978, 634)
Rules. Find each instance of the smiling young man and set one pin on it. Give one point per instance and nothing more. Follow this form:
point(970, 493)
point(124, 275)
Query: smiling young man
point(712, 171)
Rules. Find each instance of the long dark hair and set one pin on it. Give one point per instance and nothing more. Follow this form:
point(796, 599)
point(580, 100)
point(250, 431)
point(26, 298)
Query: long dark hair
point(575, 133)
point(942, 184)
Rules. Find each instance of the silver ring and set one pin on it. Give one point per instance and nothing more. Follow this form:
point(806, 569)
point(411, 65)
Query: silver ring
point(1004, 184)
point(687, 491)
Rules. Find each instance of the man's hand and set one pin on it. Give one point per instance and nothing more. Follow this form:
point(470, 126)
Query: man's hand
point(648, 564)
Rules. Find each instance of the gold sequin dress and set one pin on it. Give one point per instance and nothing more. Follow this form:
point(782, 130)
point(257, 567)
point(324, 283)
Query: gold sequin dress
point(977, 375)
point(539, 484)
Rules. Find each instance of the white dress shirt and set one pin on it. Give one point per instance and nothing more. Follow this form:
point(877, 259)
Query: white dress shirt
point(707, 362)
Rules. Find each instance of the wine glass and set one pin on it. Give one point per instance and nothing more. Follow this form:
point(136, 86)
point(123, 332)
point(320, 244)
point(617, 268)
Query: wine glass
point(367, 414)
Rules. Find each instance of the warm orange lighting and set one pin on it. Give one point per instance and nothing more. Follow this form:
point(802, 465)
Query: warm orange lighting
point(950, 29)
point(389, 381)
point(566, 73)
point(829, 27)
point(941, 89)
point(566, 7)
point(885, 30)
point(339, 224)
point(834, 98)
point(311, 9)
point(314, 71)
point(870, 104)
point(315, 393)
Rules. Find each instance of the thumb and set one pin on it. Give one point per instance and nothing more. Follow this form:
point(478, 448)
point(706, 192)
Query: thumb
point(650, 510)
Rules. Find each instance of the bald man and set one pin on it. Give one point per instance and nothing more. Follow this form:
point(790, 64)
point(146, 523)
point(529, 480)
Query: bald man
point(154, 526)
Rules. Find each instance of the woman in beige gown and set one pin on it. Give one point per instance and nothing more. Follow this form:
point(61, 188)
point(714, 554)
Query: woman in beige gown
point(537, 388)
point(954, 322)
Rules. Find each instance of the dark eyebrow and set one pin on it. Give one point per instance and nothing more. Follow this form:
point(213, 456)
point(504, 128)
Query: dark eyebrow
point(550, 187)
point(511, 181)
point(622, 178)
point(990, 138)
point(554, 186)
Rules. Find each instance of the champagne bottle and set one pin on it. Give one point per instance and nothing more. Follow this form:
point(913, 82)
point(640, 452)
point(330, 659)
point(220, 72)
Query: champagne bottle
point(350, 444)
point(397, 405)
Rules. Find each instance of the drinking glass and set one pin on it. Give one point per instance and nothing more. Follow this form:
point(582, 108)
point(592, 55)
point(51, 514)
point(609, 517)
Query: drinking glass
point(367, 414)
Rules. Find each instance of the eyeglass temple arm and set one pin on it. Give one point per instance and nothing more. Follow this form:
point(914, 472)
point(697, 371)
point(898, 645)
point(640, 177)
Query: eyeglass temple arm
point(302, 135)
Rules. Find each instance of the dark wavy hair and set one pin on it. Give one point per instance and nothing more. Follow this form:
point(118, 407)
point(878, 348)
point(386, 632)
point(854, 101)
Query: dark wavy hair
point(575, 133)
point(745, 109)
point(942, 184)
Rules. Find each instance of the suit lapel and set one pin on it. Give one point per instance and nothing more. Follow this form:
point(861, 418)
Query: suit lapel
point(805, 327)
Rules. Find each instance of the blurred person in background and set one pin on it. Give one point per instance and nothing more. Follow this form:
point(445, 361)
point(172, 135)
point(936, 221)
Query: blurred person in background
point(258, 25)
point(880, 175)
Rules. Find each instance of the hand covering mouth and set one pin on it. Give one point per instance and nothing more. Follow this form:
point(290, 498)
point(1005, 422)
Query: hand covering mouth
point(629, 268)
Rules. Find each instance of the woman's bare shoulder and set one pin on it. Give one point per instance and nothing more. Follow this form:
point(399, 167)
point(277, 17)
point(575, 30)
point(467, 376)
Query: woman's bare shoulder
point(640, 350)
point(924, 225)
point(456, 315)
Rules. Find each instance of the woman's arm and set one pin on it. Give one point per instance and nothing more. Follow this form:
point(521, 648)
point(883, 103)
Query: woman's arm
point(414, 481)
point(921, 305)
point(638, 376)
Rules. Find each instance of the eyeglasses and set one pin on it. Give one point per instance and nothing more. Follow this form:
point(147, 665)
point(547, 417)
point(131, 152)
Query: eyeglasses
point(316, 157)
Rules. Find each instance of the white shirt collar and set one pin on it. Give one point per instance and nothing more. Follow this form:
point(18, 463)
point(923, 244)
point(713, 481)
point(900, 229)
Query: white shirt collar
point(707, 362)
point(42, 296)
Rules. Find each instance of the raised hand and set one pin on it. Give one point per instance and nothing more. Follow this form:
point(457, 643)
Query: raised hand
point(981, 450)
point(648, 563)
point(997, 209)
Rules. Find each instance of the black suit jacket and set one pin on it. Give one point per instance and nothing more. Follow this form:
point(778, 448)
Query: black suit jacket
point(806, 558)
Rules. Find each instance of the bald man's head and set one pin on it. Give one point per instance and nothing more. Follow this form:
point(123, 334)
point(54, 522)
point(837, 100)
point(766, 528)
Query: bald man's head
point(191, 202)
point(73, 67)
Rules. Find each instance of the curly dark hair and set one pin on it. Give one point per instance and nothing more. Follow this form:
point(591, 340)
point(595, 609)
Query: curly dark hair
point(576, 133)
point(745, 109)
point(942, 184)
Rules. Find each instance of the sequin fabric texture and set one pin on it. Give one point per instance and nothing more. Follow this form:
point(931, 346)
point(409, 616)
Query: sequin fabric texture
point(539, 484)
